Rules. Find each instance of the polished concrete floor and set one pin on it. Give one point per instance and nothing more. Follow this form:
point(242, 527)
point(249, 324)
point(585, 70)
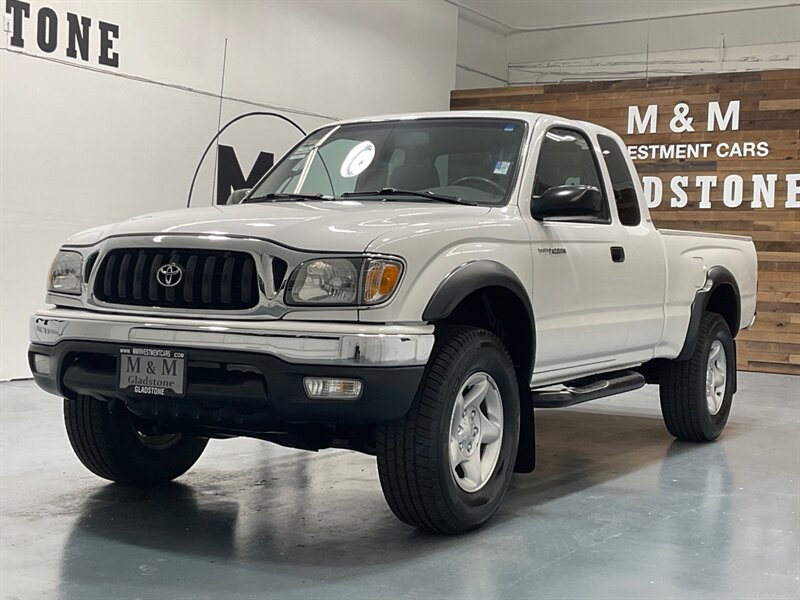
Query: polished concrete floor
point(616, 509)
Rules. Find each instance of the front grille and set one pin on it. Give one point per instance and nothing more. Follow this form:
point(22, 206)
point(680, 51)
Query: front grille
point(209, 279)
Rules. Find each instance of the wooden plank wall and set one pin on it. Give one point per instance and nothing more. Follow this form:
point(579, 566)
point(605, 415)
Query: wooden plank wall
point(769, 111)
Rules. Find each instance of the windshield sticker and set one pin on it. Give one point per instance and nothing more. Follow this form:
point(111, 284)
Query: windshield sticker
point(509, 127)
point(358, 159)
point(501, 167)
point(302, 150)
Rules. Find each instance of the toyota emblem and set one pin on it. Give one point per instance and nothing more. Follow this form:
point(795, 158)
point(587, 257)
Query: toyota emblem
point(169, 275)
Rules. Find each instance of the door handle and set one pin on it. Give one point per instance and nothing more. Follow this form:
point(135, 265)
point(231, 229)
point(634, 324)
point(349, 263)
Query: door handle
point(617, 254)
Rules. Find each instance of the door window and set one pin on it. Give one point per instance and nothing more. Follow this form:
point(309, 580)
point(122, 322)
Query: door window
point(566, 158)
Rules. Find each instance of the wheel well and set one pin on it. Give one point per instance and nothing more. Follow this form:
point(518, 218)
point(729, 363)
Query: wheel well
point(502, 312)
point(725, 302)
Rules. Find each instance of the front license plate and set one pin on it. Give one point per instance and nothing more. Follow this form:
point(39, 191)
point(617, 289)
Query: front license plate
point(152, 371)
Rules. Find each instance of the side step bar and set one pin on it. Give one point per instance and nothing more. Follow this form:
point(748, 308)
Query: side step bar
point(588, 388)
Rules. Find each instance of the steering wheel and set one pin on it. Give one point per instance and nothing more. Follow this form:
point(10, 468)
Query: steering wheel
point(488, 183)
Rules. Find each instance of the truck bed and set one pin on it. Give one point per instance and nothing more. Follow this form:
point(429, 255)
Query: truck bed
point(689, 256)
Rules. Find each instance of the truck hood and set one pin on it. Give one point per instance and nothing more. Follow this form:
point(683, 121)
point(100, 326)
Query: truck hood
point(333, 226)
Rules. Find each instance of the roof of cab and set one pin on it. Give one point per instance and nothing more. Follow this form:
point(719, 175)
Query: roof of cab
point(529, 117)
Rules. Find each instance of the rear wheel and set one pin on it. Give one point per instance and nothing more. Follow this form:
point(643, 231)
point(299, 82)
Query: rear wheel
point(109, 444)
point(696, 394)
point(447, 464)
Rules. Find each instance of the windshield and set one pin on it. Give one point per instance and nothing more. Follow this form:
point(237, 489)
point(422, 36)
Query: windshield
point(471, 160)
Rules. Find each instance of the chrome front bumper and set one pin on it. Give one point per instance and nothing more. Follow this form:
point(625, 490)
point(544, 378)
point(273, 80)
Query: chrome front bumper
point(299, 342)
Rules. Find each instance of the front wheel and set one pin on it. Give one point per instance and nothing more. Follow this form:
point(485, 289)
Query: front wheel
point(446, 465)
point(696, 394)
point(109, 444)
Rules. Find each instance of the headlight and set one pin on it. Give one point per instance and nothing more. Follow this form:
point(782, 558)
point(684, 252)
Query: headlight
point(343, 281)
point(65, 273)
point(324, 281)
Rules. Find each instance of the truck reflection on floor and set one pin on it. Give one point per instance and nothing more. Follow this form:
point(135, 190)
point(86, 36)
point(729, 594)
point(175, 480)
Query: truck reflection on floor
point(605, 481)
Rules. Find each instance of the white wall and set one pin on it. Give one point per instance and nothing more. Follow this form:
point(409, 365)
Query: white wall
point(83, 144)
point(482, 55)
point(552, 42)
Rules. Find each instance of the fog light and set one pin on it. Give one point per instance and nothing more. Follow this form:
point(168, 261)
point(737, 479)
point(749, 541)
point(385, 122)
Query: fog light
point(321, 388)
point(41, 364)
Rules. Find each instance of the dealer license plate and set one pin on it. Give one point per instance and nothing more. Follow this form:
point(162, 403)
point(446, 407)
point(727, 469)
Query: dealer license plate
point(152, 371)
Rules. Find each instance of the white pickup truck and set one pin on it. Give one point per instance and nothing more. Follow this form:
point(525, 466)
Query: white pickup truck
point(408, 286)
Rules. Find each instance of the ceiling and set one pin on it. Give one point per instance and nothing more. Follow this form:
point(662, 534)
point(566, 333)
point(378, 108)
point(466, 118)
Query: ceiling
point(511, 14)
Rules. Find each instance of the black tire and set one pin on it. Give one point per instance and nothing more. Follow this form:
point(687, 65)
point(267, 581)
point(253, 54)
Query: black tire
point(108, 444)
point(683, 386)
point(413, 460)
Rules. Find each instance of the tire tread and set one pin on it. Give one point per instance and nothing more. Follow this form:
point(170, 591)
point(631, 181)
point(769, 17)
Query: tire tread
point(92, 450)
point(105, 443)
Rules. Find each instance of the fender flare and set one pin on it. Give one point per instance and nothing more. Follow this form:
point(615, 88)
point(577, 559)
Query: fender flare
point(469, 278)
point(715, 277)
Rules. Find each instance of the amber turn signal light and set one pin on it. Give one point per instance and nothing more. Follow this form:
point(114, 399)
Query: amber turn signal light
point(381, 277)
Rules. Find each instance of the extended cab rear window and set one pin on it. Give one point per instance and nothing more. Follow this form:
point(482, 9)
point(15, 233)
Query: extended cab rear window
point(621, 181)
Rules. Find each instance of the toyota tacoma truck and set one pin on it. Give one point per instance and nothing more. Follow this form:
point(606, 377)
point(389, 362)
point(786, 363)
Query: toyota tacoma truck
point(409, 286)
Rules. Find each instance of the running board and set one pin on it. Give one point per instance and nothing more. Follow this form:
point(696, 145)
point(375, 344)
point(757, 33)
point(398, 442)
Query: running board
point(589, 388)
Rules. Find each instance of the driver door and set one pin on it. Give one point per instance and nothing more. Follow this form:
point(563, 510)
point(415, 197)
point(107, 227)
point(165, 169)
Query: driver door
point(577, 285)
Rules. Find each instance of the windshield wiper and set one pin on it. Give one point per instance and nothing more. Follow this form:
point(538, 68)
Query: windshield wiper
point(274, 197)
point(395, 192)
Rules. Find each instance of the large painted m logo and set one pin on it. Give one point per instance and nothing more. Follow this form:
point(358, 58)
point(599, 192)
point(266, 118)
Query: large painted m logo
point(230, 176)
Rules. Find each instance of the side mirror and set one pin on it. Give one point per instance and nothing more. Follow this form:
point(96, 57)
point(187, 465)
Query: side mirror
point(576, 201)
point(237, 196)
